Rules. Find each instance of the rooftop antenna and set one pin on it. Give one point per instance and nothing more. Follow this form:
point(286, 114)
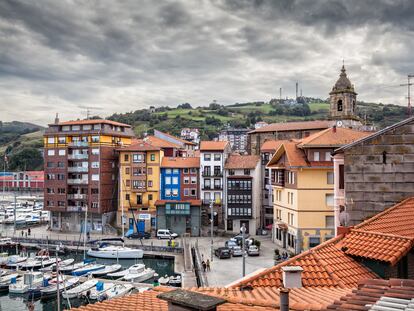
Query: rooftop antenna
point(87, 113)
point(297, 85)
point(280, 94)
point(408, 85)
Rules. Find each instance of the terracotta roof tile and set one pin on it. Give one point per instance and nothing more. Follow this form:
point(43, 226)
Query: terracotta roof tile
point(94, 121)
point(332, 138)
point(323, 266)
point(271, 145)
point(295, 157)
point(213, 145)
point(292, 126)
point(158, 142)
point(139, 145)
point(242, 161)
point(177, 162)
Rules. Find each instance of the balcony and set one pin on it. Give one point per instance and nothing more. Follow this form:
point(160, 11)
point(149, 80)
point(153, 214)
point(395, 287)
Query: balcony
point(78, 144)
point(76, 169)
point(207, 187)
point(218, 187)
point(206, 174)
point(78, 156)
point(76, 208)
point(207, 202)
point(77, 196)
point(77, 182)
point(210, 174)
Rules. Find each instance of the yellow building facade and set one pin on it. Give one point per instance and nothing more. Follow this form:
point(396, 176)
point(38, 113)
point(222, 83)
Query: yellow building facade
point(139, 185)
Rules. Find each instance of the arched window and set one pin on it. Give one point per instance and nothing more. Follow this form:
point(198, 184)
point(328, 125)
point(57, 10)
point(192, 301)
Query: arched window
point(339, 105)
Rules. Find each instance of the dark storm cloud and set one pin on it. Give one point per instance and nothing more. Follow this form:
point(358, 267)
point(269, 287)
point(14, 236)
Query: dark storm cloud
point(119, 56)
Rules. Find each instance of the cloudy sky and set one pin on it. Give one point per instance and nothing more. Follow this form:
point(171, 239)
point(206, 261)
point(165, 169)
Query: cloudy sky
point(119, 56)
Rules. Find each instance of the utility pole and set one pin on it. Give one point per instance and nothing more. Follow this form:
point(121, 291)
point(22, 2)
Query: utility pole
point(297, 86)
point(408, 85)
point(212, 227)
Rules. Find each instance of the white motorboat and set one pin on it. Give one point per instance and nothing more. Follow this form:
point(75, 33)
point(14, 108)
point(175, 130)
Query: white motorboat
point(31, 283)
point(107, 251)
point(98, 293)
point(164, 280)
point(175, 281)
point(15, 260)
point(64, 285)
point(106, 270)
point(38, 262)
point(122, 273)
point(78, 290)
point(61, 264)
point(119, 290)
point(87, 269)
point(139, 274)
point(73, 266)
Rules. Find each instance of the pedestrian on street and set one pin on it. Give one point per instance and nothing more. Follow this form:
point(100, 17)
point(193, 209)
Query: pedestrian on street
point(208, 264)
point(204, 266)
point(29, 231)
point(88, 235)
point(25, 234)
point(22, 233)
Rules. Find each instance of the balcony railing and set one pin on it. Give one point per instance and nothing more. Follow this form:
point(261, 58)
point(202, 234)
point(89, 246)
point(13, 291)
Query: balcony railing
point(218, 187)
point(73, 169)
point(76, 208)
point(77, 196)
point(77, 181)
point(77, 156)
point(217, 174)
point(78, 144)
point(207, 202)
point(206, 174)
point(205, 187)
point(212, 174)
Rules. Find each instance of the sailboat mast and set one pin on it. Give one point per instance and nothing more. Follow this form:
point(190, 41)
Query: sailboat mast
point(122, 202)
point(84, 233)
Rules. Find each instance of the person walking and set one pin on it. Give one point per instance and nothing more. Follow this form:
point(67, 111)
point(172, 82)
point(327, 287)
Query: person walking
point(29, 231)
point(22, 233)
point(208, 265)
point(204, 266)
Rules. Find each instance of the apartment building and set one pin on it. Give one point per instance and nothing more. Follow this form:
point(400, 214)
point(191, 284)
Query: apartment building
point(302, 179)
point(242, 193)
point(191, 134)
point(213, 156)
point(80, 164)
point(236, 137)
point(139, 179)
point(185, 148)
point(179, 206)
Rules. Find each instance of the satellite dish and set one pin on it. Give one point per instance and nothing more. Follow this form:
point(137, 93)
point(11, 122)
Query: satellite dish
point(339, 123)
point(343, 218)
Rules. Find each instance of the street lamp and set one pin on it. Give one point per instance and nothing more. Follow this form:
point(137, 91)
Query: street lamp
point(243, 230)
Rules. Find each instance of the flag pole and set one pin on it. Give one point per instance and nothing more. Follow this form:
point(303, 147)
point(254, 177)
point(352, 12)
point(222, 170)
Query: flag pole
point(4, 175)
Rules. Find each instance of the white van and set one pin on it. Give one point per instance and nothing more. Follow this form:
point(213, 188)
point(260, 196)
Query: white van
point(166, 234)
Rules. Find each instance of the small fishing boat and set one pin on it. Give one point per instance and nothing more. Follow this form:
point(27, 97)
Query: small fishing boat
point(98, 293)
point(78, 290)
point(122, 273)
point(64, 285)
point(69, 268)
point(31, 284)
point(6, 280)
point(15, 260)
point(88, 269)
point(38, 262)
point(140, 274)
point(119, 290)
point(164, 280)
point(106, 270)
point(107, 251)
point(61, 264)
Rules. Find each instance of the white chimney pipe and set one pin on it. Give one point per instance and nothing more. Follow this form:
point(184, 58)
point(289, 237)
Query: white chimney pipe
point(292, 276)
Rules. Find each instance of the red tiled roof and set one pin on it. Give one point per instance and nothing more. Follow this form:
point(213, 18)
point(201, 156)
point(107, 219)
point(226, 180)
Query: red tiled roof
point(295, 157)
point(242, 161)
point(192, 202)
point(176, 162)
point(387, 236)
point(94, 121)
point(323, 266)
point(186, 142)
point(371, 291)
point(213, 145)
point(271, 145)
point(294, 126)
point(158, 142)
point(139, 145)
point(332, 137)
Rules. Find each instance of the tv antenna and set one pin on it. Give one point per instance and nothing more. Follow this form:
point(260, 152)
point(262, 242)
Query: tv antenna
point(408, 85)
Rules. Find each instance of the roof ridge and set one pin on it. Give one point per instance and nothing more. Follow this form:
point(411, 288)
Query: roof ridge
point(386, 211)
point(314, 136)
point(383, 234)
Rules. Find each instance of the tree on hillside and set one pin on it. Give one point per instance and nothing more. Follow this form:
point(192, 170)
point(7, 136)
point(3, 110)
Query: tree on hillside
point(184, 106)
point(26, 159)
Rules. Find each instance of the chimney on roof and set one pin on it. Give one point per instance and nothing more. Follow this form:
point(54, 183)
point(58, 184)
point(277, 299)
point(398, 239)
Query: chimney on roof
point(57, 118)
point(292, 276)
point(284, 299)
point(185, 300)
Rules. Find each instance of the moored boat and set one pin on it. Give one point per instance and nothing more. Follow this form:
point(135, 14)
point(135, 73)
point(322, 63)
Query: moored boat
point(122, 273)
point(87, 269)
point(30, 284)
point(78, 290)
point(106, 270)
point(139, 274)
point(107, 251)
point(64, 285)
point(98, 293)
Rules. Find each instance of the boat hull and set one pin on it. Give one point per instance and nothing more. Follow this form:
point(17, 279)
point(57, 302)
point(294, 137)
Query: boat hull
point(127, 254)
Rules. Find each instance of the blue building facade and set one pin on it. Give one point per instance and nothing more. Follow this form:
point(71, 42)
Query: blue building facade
point(170, 184)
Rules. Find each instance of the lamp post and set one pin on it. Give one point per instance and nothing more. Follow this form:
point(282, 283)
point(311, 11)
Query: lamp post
point(243, 230)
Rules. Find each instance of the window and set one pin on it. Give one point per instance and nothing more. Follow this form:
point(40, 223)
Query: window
point(50, 190)
point(149, 183)
point(62, 152)
point(207, 196)
point(340, 105)
point(186, 180)
point(314, 241)
point(175, 192)
point(126, 157)
point(329, 199)
point(384, 157)
point(51, 152)
point(217, 170)
point(95, 204)
point(217, 157)
point(50, 164)
point(329, 221)
point(207, 157)
point(127, 170)
point(139, 199)
point(193, 180)
point(94, 191)
point(186, 192)
point(193, 170)
point(137, 157)
point(149, 171)
point(61, 190)
point(95, 139)
point(186, 171)
point(168, 180)
point(96, 126)
point(330, 178)
point(341, 176)
point(75, 127)
point(168, 171)
point(175, 180)
point(128, 183)
point(167, 192)
point(95, 164)
point(193, 192)
point(87, 127)
point(95, 151)
point(127, 197)
point(61, 139)
point(61, 203)
point(150, 197)
point(50, 140)
point(95, 177)
point(61, 176)
point(246, 172)
point(66, 128)
point(176, 171)
point(291, 178)
point(50, 176)
point(152, 157)
point(316, 156)
point(328, 156)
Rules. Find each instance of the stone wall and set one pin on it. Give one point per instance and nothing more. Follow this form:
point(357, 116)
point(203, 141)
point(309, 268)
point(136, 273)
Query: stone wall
point(371, 185)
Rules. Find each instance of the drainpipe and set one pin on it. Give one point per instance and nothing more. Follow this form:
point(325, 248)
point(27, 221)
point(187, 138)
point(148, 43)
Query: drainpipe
point(284, 299)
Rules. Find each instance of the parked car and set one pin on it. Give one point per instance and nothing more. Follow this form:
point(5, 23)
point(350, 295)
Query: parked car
point(166, 234)
point(253, 250)
point(222, 252)
point(139, 235)
point(231, 244)
point(237, 251)
point(238, 238)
